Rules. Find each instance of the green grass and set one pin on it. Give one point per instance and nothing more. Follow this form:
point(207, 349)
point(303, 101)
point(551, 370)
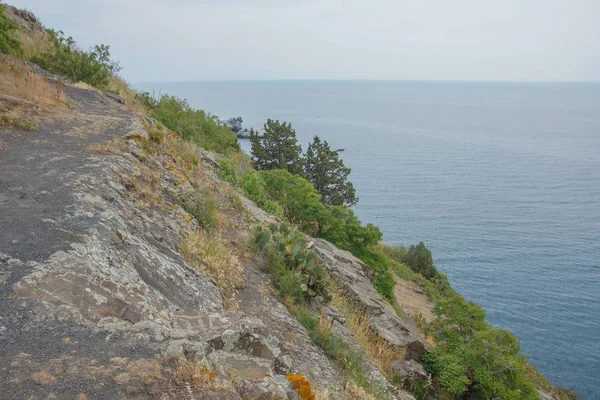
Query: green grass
point(204, 208)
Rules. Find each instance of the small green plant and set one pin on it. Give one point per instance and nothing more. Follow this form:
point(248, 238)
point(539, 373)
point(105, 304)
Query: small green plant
point(8, 44)
point(204, 209)
point(156, 133)
point(17, 123)
point(228, 171)
point(293, 265)
point(338, 350)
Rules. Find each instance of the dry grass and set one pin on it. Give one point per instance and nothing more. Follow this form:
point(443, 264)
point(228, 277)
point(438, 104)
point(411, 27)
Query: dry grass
point(186, 151)
point(110, 147)
point(18, 81)
point(210, 256)
point(189, 372)
point(145, 185)
point(83, 85)
point(119, 86)
point(354, 392)
point(379, 351)
point(34, 43)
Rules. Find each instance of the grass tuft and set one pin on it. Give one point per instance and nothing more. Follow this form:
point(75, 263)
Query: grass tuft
point(210, 256)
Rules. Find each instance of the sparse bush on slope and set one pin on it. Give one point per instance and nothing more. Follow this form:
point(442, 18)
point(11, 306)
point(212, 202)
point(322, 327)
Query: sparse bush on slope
point(191, 124)
point(93, 67)
point(8, 43)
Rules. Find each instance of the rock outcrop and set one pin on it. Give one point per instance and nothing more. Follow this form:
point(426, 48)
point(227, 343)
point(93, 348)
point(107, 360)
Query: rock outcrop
point(96, 298)
point(235, 124)
point(351, 274)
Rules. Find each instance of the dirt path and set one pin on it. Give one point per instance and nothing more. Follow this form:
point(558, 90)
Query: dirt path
point(43, 357)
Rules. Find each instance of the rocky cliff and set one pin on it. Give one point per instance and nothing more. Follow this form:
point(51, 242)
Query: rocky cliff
point(129, 269)
point(98, 300)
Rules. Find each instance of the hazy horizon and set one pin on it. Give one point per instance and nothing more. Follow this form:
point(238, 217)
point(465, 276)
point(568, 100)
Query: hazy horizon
point(361, 80)
point(232, 40)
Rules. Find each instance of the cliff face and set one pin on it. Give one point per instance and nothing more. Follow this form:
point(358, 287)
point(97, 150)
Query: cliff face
point(97, 299)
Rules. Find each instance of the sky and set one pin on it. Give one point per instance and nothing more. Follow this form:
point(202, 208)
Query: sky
point(191, 40)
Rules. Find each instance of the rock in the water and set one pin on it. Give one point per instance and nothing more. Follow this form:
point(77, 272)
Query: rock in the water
point(235, 124)
point(243, 133)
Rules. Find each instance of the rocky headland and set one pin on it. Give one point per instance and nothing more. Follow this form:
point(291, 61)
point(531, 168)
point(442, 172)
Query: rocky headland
point(113, 287)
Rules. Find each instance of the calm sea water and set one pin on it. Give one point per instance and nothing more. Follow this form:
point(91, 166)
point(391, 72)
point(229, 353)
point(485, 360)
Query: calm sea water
point(500, 180)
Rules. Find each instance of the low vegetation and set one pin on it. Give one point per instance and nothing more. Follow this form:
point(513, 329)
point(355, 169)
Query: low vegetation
point(298, 277)
point(191, 124)
point(93, 67)
point(208, 254)
point(8, 43)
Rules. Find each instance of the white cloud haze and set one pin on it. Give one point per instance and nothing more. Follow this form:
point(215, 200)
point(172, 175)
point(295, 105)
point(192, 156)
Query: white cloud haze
point(166, 40)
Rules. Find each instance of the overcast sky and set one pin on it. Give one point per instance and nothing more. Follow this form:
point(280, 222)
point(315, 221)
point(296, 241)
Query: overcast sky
point(182, 40)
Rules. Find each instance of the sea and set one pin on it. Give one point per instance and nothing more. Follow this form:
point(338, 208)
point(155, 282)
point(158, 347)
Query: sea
point(500, 180)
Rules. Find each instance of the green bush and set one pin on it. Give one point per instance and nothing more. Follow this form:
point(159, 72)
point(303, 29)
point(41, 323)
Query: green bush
point(293, 267)
point(419, 259)
point(472, 357)
point(204, 209)
point(300, 202)
point(8, 44)
point(93, 67)
point(228, 171)
point(191, 124)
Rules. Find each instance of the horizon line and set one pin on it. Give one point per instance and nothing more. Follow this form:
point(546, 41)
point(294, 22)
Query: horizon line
point(364, 80)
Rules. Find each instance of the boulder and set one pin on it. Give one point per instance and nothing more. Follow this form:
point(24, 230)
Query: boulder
point(243, 133)
point(235, 124)
point(351, 274)
point(410, 371)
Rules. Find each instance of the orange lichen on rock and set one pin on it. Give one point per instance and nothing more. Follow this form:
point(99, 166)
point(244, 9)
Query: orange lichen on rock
point(301, 386)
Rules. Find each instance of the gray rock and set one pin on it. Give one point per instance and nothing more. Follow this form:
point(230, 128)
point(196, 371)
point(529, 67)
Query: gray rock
point(545, 395)
point(351, 273)
point(243, 133)
point(115, 97)
point(410, 371)
point(235, 124)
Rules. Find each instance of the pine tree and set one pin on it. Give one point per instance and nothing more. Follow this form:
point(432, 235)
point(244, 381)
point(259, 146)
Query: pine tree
point(277, 149)
point(327, 172)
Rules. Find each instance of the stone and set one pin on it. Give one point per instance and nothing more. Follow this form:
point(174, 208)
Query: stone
point(351, 274)
point(235, 124)
point(545, 395)
point(115, 97)
point(410, 371)
point(243, 133)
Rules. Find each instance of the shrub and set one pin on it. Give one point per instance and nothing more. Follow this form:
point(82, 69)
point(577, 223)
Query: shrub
point(298, 198)
point(228, 171)
point(8, 44)
point(191, 124)
point(204, 209)
point(419, 259)
point(93, 67)
point(293, 267)
point(471, 356)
